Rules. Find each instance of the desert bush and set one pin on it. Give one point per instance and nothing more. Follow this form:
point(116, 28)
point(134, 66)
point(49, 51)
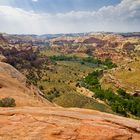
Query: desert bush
point(7, 102)
point(51, 95)
point(41, 87)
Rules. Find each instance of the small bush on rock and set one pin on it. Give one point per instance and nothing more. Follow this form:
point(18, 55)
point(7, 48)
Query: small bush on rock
point(7, 102)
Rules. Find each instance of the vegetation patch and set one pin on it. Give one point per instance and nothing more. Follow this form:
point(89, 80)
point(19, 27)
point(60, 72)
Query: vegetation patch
point(58, 81)
point(80, 101)
point(120, 102)
point(7, 102)
point(88, 60)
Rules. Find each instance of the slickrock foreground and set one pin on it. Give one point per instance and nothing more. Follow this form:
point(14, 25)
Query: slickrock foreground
point(42, 123)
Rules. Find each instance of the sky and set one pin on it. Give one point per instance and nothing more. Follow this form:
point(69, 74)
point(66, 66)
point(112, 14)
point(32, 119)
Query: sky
point(69, 16)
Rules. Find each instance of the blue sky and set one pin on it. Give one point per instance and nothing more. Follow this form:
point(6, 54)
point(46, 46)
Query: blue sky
point(54, 6)
point(67, 16)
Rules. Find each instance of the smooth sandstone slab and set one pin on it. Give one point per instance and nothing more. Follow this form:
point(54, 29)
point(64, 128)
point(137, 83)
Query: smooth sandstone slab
point(53, 123)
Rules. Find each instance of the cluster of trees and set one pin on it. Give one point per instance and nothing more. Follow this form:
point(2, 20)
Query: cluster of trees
point(88, 60)
point(107, 62)
point(92, 60)
point(92, 80)
point(63, 58)
point(120, 102)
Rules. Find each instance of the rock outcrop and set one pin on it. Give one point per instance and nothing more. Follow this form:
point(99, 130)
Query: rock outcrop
point(45, 123)
point(13, 84)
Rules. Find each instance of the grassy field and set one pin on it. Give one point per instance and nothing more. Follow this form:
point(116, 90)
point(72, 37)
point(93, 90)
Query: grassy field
point(59, 85)
point(126, 76)
point(51, 53)
point(63, 76)
point(81, 101)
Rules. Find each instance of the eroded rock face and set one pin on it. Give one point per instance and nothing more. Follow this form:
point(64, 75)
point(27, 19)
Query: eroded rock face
point(13, 84)
point(2, 58)
point(6, 69)
point(52, 123)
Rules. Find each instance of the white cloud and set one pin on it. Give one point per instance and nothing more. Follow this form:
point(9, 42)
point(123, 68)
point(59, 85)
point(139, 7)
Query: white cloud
point(35, 0)
point(122, 17)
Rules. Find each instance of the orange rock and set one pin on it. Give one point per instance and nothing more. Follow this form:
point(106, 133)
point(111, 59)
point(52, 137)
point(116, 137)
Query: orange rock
point(53, 123)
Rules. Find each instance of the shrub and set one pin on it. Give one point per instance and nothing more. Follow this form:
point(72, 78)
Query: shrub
point(123, 94)
point(7, 102)
point(41, 87)
point(51, 95)
point(92, 78)
point(109, 64)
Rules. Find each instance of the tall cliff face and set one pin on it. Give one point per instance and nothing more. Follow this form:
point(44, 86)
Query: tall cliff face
point(34, 118)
